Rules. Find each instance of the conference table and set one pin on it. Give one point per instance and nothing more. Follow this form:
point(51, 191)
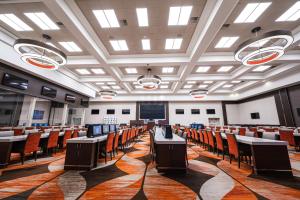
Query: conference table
point(170, 152)
point(8, 143)
point(270, 157)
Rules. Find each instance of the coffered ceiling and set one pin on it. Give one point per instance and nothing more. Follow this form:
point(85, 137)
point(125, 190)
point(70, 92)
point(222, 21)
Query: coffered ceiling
point(195, 63)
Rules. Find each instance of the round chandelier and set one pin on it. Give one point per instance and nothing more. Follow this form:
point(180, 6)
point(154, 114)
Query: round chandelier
point(254, 51)
point(149, 81)
point(107, 94)
point(198, 94)
point(40, 54)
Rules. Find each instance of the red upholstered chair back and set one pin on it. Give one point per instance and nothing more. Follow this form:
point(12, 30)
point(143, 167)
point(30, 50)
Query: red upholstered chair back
point(242, 131)
point(110, 142)
point(53, 139)
point(196, 134)
point(269, 129)
point(205, 137)
point(18, 131)
point(232, 145)
point(124, 136)
point(219, 141)
point(192, 134)
point(287, 135)
point(188, 132)
point(210, 138)
point(29, 128)
point(253, 129)
point(232, 129)
point(67, 135)
point(218, 128)
point(32, 142)
point(116, 141)
point(75, 133)
point(201, 135)
point(225, 127)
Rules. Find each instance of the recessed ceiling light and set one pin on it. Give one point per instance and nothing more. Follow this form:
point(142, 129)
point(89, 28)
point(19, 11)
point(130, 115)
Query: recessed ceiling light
point(172, 43)
point(226, 42)
point(225, 68)
point(119, 45)
point(167, 70)
point(236, 81)
point(98, 71)
point(42, 20)
point(131, 70)
point(99, 83)
point(292, 14)
point(146, 44)
point(138, 87)
point(202, 86)
point(261, 68)
point(165, 82)
point(135, 83)
point(83, 71)
point(105, 87)
point(227, 86)
point(179, 15)
point(107, 18)
point(207, 82)
point(187, 86)
point(251, 12)
point(14, 22)
point(202, 69)
point(70, 46)
point(191, 82)
point(164, 86)
point(142, 16)
point(116, 87)
point(111, 83)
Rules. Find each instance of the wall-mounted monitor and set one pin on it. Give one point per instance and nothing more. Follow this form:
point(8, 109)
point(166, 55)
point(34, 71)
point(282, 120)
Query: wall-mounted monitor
point(210, 111)
point(97, 130)
point(125, 111)
point(70, 98)
point(195, 111)
point(255, 115)
point(38, 114)
point(152, 111)
point(179, 111)
point(15, 82)
point(110, 111)
point(48, 92)
point(95, 112)
point(105, 129)
point(112, 127)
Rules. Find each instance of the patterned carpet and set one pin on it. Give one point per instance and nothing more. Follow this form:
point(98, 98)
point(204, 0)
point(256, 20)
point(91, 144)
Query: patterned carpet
point(133, 176)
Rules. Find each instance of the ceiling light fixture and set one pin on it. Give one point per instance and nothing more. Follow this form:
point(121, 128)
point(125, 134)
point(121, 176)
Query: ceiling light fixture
point(42, 20)
point(107, 18)
point(226, 42)
point(225, 68)
point(261, 68)
point(142, 16)
point(279, 41)
point(14, 22)
point(146, 44)
point(107, 94)
point(40, 54)
point(251, 12)
point(119, 45)
point(198, 94)
point(149, 81)
point(179, 15)
point(167, 70)
point(203, 69)
point(70, 46)
point(83, 71)
point(97, 71)
point(131, 70)
point(292, 14)
point(173, 43)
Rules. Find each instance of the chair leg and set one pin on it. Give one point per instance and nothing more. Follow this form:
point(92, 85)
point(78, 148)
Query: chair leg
point(229, 158)
point(239, 161)
point(22, 158)
point(105, 157)
point(110, 155)
point(35, 155)
point(223, 154)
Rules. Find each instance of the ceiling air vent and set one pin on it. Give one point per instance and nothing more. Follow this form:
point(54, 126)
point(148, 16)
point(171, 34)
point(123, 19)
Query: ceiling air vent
point(123, 22)
point(59, 23)
point(225, 25)
point(194, 20)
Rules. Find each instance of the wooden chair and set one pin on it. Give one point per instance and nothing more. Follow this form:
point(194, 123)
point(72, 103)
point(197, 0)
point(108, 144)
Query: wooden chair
point(31, 146)
point(201, 137)
point(152, 145)
point(109, 145)
point(196, 136)
point(220, 144)
point(188, 134)
point(205, 138)
point(242, 131)
point(18, 131)
point(124, 138)
point(288, 136)
point(211, 141)
point(235, 150)
point(52, 141)
point(254, 129)
point(116, 143)
point(29, 128)
point(269, 129)
point(67, 135)
point(75, 133)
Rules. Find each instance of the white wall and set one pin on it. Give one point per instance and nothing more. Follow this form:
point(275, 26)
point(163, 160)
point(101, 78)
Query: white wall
point(45, 106)
point(187, 118)
point(241, 113)
point(103, 106)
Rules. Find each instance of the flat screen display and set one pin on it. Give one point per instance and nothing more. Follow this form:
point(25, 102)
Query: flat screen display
point(70, 98)
point(125, 111)
point(38, 114)
point(255, 115)
point(110, 111)
point(15, 82)
point(95, 111)
point(48, 92)
point(97, 130)
point(210, 111)
point(112, 127)
point(195, 111)
point(105, 129)
point(152, 111)
point(179, 111)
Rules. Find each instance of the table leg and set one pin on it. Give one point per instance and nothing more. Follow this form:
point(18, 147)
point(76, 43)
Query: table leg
point(5, 150)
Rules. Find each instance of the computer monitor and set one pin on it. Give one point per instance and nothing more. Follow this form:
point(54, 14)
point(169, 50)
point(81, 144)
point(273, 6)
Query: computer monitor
point(112, 127)
point(105, 129)
point(117, 126)
point(97, 130)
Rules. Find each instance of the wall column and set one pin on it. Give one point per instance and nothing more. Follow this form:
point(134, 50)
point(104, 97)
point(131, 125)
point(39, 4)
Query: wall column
point(27, 111)
point(64, 114)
